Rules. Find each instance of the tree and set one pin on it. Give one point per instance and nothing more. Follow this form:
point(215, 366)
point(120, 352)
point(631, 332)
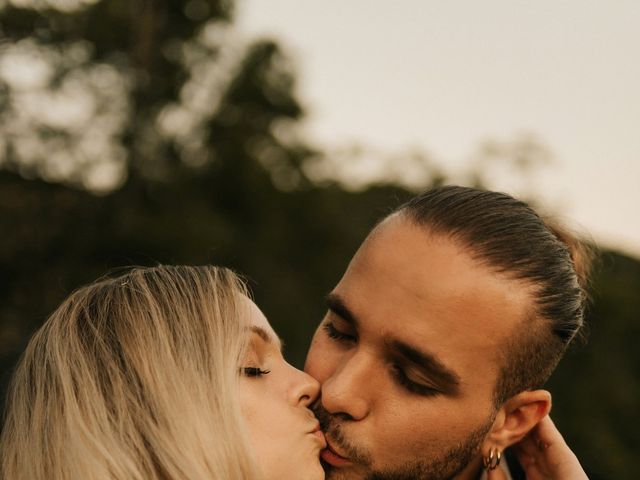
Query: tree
point(142, 131)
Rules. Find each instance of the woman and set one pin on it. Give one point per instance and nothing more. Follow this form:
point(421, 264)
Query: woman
point(170, 373)
point(161, 373)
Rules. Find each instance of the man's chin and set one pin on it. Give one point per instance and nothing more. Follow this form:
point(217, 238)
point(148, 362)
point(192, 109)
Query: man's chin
point(412, 471)
point(352, 472)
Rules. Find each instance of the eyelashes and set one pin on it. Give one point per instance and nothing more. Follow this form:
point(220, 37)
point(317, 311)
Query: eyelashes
point(397, 372)
point(401, 377)
point(336, 334)
point(253, 371)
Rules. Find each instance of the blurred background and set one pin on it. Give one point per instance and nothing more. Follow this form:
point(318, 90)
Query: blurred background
point(270, 136)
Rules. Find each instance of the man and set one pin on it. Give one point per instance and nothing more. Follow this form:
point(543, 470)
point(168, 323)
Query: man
point(438, 338)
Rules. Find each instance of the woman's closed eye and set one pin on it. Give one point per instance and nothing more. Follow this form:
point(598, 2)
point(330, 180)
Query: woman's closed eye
point(253, 371)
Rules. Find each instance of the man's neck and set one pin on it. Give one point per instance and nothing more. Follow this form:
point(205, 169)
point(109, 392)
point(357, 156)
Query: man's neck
point(501, 473)
point(475, 471)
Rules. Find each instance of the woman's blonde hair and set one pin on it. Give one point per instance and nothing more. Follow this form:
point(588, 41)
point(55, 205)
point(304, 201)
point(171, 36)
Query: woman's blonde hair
point(134, 377)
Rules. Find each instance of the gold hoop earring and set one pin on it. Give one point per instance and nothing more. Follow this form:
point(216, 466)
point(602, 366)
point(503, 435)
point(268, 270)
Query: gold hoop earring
point(493, 460)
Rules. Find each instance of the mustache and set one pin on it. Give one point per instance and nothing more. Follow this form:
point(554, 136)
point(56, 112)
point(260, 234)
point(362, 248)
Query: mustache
point(332, 426)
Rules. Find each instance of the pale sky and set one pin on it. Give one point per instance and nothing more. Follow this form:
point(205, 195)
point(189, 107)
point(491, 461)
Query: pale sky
point(442, 76)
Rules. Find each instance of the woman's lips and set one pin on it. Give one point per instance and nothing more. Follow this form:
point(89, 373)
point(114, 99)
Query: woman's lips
point(333, 458)
point(317, 433)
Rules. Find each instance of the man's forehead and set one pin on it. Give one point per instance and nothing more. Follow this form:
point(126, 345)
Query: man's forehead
point(423, 264)
point(426, 287)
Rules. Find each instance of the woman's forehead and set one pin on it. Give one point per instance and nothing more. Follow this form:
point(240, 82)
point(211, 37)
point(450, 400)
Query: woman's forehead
point(258, 324)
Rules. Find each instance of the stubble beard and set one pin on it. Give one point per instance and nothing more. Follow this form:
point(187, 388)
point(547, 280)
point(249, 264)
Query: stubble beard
point(444, 465)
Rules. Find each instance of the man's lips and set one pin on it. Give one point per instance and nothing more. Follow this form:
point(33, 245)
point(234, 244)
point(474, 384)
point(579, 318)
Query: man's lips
point(333, 458)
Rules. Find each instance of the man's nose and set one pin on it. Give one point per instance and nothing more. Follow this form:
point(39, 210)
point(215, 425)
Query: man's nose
point(348, 390)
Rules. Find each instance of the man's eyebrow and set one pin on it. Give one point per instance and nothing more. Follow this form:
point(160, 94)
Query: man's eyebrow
point(267, 337)
point(442, 375)
point(338, 306)
point(427, 362)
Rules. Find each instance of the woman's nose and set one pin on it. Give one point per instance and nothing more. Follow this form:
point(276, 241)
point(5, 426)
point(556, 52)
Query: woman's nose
point(305, 389)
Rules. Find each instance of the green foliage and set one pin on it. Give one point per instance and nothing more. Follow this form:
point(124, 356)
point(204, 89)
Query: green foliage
point(231, 189)
point(597, 387)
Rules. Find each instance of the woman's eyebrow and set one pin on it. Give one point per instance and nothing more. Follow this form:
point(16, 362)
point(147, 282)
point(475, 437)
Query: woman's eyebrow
point(267, 337)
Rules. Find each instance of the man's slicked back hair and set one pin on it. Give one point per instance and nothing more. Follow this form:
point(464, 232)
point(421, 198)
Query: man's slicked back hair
point(508, 236)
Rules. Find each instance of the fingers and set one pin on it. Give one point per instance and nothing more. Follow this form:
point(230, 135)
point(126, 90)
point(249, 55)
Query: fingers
point(533, 467)
point(533, 451)
point(548, 434)
point(544, 454)
point(496, 474)
point(558, 453)
point(529, 445)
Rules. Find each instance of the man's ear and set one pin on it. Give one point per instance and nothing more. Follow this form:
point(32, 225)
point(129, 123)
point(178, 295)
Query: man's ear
point(516, 418)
